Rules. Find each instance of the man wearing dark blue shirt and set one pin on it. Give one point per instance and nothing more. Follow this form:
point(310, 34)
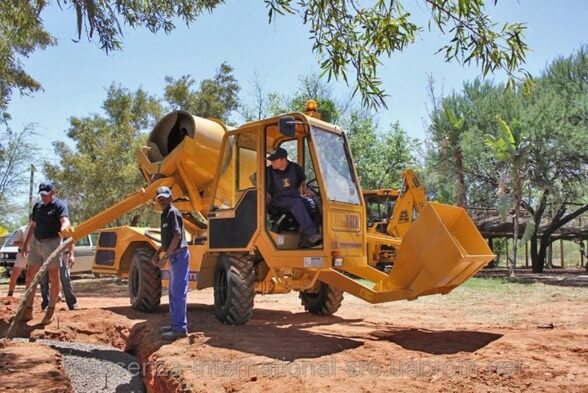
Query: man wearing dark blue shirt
point(285, 182)
point(175, 250)
point(49, 218)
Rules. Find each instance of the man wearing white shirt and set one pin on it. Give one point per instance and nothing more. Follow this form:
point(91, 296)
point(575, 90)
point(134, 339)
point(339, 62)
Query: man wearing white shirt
point(21, 260)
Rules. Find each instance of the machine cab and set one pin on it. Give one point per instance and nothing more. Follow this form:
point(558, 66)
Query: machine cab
point(242, 211)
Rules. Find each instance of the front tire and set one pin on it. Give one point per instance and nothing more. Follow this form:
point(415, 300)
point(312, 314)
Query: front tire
point(144, 281)
point(325, 301)
point(234, 289)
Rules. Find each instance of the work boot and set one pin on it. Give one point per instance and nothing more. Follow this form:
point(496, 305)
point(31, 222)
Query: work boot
point(315, 239)
point(172, 335)
point(28, 314)
point(310, 241)
point(48, 318)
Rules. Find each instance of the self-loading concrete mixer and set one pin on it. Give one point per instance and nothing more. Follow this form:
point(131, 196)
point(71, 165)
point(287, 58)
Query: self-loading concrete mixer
point(218, 175)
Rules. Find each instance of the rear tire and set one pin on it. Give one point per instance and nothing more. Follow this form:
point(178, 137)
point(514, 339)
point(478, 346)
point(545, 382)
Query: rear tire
point(234, 289)
point(144, 281)
point(325, 301)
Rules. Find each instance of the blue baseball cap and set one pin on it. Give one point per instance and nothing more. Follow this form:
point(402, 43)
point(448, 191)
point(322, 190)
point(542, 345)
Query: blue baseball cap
point(163, 192)
point(46, 187)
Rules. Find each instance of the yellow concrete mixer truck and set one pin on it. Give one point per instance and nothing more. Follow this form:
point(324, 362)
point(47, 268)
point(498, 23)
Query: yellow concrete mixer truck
point(238, 244)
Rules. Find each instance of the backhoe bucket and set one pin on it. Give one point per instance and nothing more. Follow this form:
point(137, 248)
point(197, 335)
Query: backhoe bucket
point(441, 250)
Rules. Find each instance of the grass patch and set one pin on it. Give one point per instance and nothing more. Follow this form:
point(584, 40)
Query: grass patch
point(500, 290)
point(483, 283)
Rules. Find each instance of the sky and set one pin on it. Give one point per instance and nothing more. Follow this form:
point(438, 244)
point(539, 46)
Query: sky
point(75, 75)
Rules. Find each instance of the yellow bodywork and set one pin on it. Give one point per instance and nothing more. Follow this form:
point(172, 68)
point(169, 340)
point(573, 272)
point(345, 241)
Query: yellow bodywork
point(215, 175)
point(396, 220)
point(380, 204)
point(439, 252)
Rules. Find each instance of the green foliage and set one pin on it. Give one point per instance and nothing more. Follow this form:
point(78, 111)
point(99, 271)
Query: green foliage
point(447, 129)
point(520, 147)
point(379, 157)
point(103, 18)
point(21, 33)
point(100, 169)
point(504, 145)
point(17, 154)
point(273, 104)
point(347, 34)
point(530, 228)
point(476, 39)
point(510, 145)
point(215, 98)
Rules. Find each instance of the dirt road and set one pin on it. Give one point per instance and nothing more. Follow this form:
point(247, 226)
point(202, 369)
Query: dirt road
point(486, 336)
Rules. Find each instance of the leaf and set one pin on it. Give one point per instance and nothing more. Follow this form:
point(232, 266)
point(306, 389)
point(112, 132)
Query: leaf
point(529, 230)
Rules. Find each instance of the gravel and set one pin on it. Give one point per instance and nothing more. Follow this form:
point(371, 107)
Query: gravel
point(98, 368)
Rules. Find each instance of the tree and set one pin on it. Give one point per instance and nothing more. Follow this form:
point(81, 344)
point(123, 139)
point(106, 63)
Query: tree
point(557, 116)
point(17, 154)
point(273, 104)
point(261, 104)
point(101, 168)
point(312, 87)
point(539, 133)
point(21, 33)
point(448, 125)
point(215, 98)
point(345, 33)
point(379, 157)
point(512, 148)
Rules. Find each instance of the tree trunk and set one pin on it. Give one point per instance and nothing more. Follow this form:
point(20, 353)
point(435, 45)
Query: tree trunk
point(537, 260)
point(557, 222)
point(515, 238)
point(515, 231)
point(460, 197)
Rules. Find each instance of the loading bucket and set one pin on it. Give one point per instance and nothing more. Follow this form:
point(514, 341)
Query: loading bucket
point(441, 250)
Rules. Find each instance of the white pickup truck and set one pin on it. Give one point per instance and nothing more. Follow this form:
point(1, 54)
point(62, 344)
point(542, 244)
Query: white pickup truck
point(84, 253)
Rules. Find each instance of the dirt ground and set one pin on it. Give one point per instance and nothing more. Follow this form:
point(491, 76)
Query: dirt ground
point(486, 336)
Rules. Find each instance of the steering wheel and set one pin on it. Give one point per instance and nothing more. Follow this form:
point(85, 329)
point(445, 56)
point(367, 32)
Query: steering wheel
point(313, 186)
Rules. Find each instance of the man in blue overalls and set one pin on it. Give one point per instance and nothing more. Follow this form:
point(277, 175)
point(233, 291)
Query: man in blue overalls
point(175, 249)
point(285, 182)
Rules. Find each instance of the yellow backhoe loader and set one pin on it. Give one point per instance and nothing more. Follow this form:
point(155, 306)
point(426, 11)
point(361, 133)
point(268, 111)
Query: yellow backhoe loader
point(217, 175)
point(391, 212)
